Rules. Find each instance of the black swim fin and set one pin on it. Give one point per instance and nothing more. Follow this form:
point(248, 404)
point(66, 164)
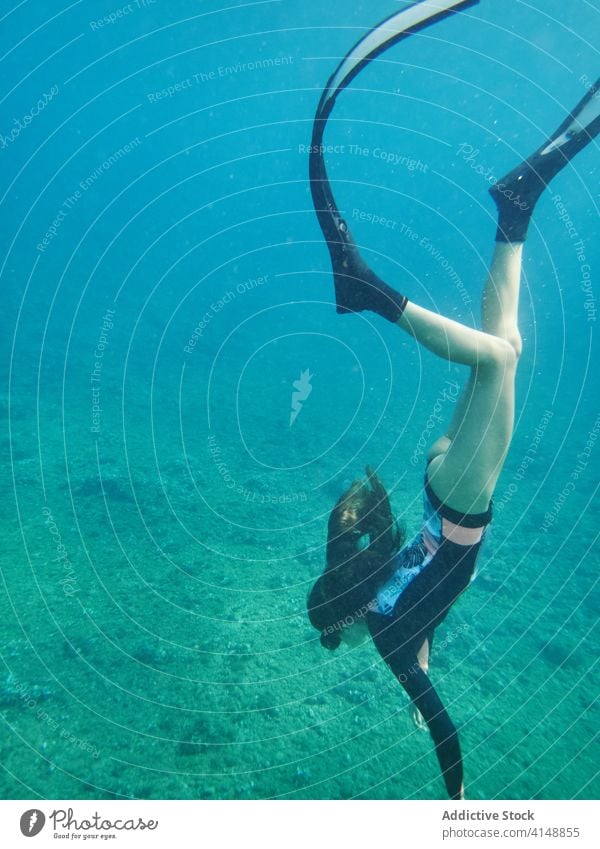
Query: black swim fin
point(357, 287)
point(516, 194)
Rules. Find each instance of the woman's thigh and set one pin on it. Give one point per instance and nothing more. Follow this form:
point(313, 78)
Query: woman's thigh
point(464, 475)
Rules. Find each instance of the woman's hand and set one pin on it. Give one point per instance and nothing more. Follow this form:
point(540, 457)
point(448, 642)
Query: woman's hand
point(417, 717)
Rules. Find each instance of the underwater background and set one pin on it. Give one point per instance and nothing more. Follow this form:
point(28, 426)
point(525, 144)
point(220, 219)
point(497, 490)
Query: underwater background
point(181, 406)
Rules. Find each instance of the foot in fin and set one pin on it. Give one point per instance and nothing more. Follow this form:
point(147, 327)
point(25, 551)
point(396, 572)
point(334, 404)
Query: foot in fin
point(357, 287)
point(516, 194)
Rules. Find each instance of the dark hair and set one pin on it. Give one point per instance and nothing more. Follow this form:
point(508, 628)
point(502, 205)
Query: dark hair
point(345, 590)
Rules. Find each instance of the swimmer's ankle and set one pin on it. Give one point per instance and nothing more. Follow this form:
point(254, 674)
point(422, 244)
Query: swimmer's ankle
point(357, 287)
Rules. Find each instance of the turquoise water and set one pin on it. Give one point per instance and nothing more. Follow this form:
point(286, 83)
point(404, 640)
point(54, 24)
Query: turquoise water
point(165, 283)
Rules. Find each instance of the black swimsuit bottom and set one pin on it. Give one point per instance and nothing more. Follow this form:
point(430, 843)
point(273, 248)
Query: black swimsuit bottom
point(425, 602)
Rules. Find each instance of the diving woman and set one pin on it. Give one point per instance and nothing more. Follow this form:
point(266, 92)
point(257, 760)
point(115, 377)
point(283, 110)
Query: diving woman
point(403, 591)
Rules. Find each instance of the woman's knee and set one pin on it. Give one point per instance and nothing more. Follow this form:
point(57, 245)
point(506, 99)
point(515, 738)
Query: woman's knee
point(500, 354)
point(515, 340)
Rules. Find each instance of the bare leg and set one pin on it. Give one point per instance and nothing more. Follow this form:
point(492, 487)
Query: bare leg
point(460, 344)
point(500, 304)
point(467, 462)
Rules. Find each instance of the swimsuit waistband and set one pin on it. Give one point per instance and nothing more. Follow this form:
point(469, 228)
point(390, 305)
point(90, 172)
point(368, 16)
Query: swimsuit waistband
point(465, 520)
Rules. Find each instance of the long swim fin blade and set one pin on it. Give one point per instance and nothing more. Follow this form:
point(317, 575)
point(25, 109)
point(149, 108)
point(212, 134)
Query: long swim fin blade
point(356, 286)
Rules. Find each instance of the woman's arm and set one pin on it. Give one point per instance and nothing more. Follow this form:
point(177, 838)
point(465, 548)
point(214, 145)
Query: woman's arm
point(423, 653)
point(445, 736)
point(423, 661)
point(407, 669)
